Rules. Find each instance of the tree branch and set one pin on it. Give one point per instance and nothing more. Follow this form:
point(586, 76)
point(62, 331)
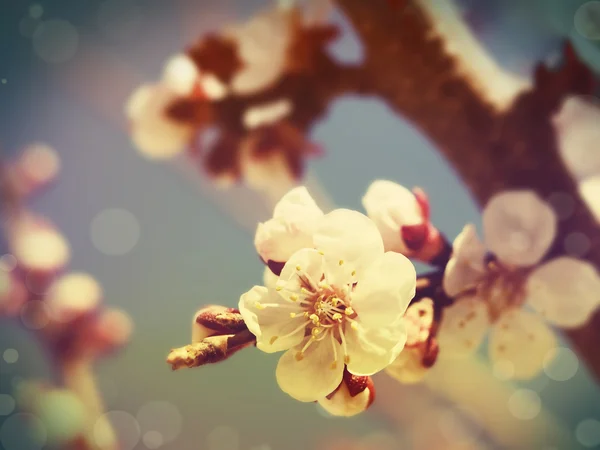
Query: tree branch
point(494, 142)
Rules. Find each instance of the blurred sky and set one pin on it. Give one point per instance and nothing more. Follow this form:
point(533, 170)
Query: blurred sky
point(189, 244)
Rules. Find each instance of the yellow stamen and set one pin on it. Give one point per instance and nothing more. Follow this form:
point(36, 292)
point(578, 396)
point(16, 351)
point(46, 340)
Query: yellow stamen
point(305, 291)
point(354, 326)
point(341, 262)
point(334, 365)
point(298, 268)
point(299, 356)
point(259, 306)
point(278, 288)
point(315, 331)
point(337, 316)
point(346, 360)
point(273, 339)
point(349, 311)
point(293, 315)
point(354, 273)
point(294, 297)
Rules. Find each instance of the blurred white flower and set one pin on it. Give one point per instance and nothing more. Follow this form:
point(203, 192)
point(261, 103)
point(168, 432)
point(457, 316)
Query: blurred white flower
point(338, 302)
point(153, 133)
point(292, 227)
point(590, 191)
point(578, 133)
point(263, 44)
point(181, 75)
point(519, 229)
point(409, 366)
point(402, 217)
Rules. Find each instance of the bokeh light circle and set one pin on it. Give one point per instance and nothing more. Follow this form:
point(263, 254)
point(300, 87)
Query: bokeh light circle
point(10, 356)
point(577, 244)
point(125, 427)
point(587, 20)
point(115, 231)
point(561, 364)
point(153, 439)
point(35, 315)
point(8, 262)
point(223, 438)
point(22, 432)
point(55, 41)
point(7, 404)
point(587, 433)
point(69, 423)
point(525, 404)
point(162, 417)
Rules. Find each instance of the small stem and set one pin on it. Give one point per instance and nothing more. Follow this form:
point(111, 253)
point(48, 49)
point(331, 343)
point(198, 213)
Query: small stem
point(78, 377)
point(211, 350)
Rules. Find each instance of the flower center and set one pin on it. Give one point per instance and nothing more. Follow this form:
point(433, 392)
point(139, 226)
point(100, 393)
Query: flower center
point(327, 310)
point(503, 287)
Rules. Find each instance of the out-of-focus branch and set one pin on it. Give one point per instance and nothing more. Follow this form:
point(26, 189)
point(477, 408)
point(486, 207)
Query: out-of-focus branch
point(495, 131)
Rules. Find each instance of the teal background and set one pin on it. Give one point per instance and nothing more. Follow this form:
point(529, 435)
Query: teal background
point(196, 243)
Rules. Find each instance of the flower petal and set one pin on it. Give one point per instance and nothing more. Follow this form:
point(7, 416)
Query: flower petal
point(566, 291)
point(267, 316)
point(342, 404)
point(384, 290)
point(408, 367)
point(303, 269)
point(294, 221)
point(578, 135)
point(154, 134)
point(350, 241)
point(463, 327)
point(466, 266)
point(269, 278)
point(314, 376)
point(519, 227)
point(391, 206)
point(590, 191)
point(523, 339)
point(181, 74)
point(370, 350)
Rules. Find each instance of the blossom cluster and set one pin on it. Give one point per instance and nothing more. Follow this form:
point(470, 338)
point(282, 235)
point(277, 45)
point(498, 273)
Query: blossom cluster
point(342, 300)
point(239, 101)
point(63, 308)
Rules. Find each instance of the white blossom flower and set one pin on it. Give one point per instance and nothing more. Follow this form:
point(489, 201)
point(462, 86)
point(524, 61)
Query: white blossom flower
point(590, 191)
point(154, 134)
point(402, 217)
point(519, 229)
point(181, 75)
point(578, 134)
point(263, 44)
point(292, 227)
point(409, 366)
point(339, 302)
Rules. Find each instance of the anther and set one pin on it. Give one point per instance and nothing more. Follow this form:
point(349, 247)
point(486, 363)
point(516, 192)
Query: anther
point(354, 326)
point(341, 262)
point(349, 311)
point(293, 315)
point(299, 356)
point(337, 316)
point(259, 306)
point(273, 339)
point(346, 360)
point(298, 268)
point(334, 365)
point(294, 297)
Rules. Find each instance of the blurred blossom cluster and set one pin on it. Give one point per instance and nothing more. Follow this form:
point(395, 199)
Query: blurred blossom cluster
point(64, 309)
point(239, 101)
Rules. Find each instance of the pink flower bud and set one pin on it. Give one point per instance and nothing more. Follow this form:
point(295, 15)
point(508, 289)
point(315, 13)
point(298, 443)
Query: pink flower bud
point(402, 218)
point(216, 320)
point(354, 395)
